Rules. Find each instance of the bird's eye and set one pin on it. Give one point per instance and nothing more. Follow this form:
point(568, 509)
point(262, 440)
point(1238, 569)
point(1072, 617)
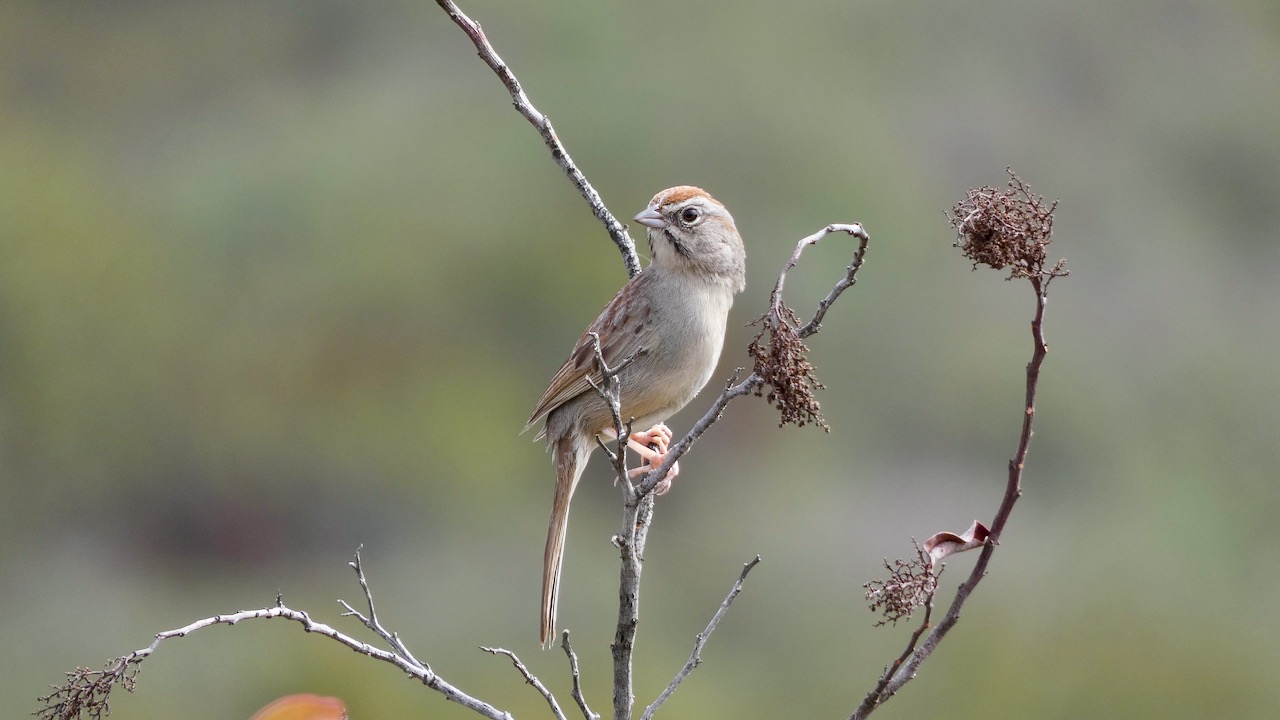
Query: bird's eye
point(690, 215)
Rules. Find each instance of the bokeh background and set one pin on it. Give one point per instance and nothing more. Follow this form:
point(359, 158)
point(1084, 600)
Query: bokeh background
point(280, 279)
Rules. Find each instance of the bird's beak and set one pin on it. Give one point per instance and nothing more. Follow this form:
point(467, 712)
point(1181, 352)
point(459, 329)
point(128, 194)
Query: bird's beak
point(651, 217)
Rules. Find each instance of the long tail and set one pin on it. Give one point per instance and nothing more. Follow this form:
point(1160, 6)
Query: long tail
point(569, 466)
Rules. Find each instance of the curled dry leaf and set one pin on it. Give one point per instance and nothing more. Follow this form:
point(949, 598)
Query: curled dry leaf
point(943, 544)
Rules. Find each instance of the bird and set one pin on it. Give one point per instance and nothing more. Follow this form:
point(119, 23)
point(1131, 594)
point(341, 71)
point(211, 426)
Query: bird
point(670, 318)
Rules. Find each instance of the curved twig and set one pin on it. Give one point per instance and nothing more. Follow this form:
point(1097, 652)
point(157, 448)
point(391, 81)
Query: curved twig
point(905, 668)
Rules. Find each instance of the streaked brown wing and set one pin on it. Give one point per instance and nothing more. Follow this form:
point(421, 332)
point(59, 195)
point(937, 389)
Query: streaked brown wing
point(620, 337)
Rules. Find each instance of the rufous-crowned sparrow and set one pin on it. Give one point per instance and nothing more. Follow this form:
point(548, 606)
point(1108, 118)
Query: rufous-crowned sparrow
point(675, 310)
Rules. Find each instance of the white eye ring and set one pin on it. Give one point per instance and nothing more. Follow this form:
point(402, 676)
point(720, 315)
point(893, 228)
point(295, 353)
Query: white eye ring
point(690, 216)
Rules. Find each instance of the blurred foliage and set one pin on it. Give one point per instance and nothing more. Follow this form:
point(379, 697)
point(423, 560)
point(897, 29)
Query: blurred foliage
point(281, 278)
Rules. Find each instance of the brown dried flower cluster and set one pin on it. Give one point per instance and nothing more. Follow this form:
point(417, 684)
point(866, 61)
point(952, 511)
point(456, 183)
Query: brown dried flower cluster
point(782, 364)
point(1005, 228)
point(910, 585)
point(86, 691)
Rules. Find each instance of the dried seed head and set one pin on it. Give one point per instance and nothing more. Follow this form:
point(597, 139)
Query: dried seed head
point(1005, 228)
point(781, 362)
point(911, 584)
point(86, 692)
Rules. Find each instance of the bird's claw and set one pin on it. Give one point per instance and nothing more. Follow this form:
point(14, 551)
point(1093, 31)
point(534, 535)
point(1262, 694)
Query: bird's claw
point(652, 446)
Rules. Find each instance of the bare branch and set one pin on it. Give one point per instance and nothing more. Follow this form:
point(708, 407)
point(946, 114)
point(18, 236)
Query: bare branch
point(877, 695)
point(617, 231)
point(371, 621)
point(637, 511)
point(849, 279)
point(637, 517)
point(530, 679)
point(998, 230)
point(851, 275)
point(695, 658)
point(86, 693)
point(578, 697)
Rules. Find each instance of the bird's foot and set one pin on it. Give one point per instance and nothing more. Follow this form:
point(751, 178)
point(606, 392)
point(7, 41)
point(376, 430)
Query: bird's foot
point(652, 446)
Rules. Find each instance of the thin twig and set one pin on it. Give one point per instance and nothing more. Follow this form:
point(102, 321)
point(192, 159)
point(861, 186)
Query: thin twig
point(695, 658)
point(530, 679)
point(578, 697)
point(617, 231)
point(850, 278)
point(851, 274)
point(371, 621)
point(874, 697)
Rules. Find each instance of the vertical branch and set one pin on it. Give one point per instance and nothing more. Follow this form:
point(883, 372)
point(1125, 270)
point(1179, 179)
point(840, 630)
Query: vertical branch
point(637, 516)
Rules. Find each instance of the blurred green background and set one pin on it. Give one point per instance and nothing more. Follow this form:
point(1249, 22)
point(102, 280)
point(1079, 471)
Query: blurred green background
point(279, 279)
